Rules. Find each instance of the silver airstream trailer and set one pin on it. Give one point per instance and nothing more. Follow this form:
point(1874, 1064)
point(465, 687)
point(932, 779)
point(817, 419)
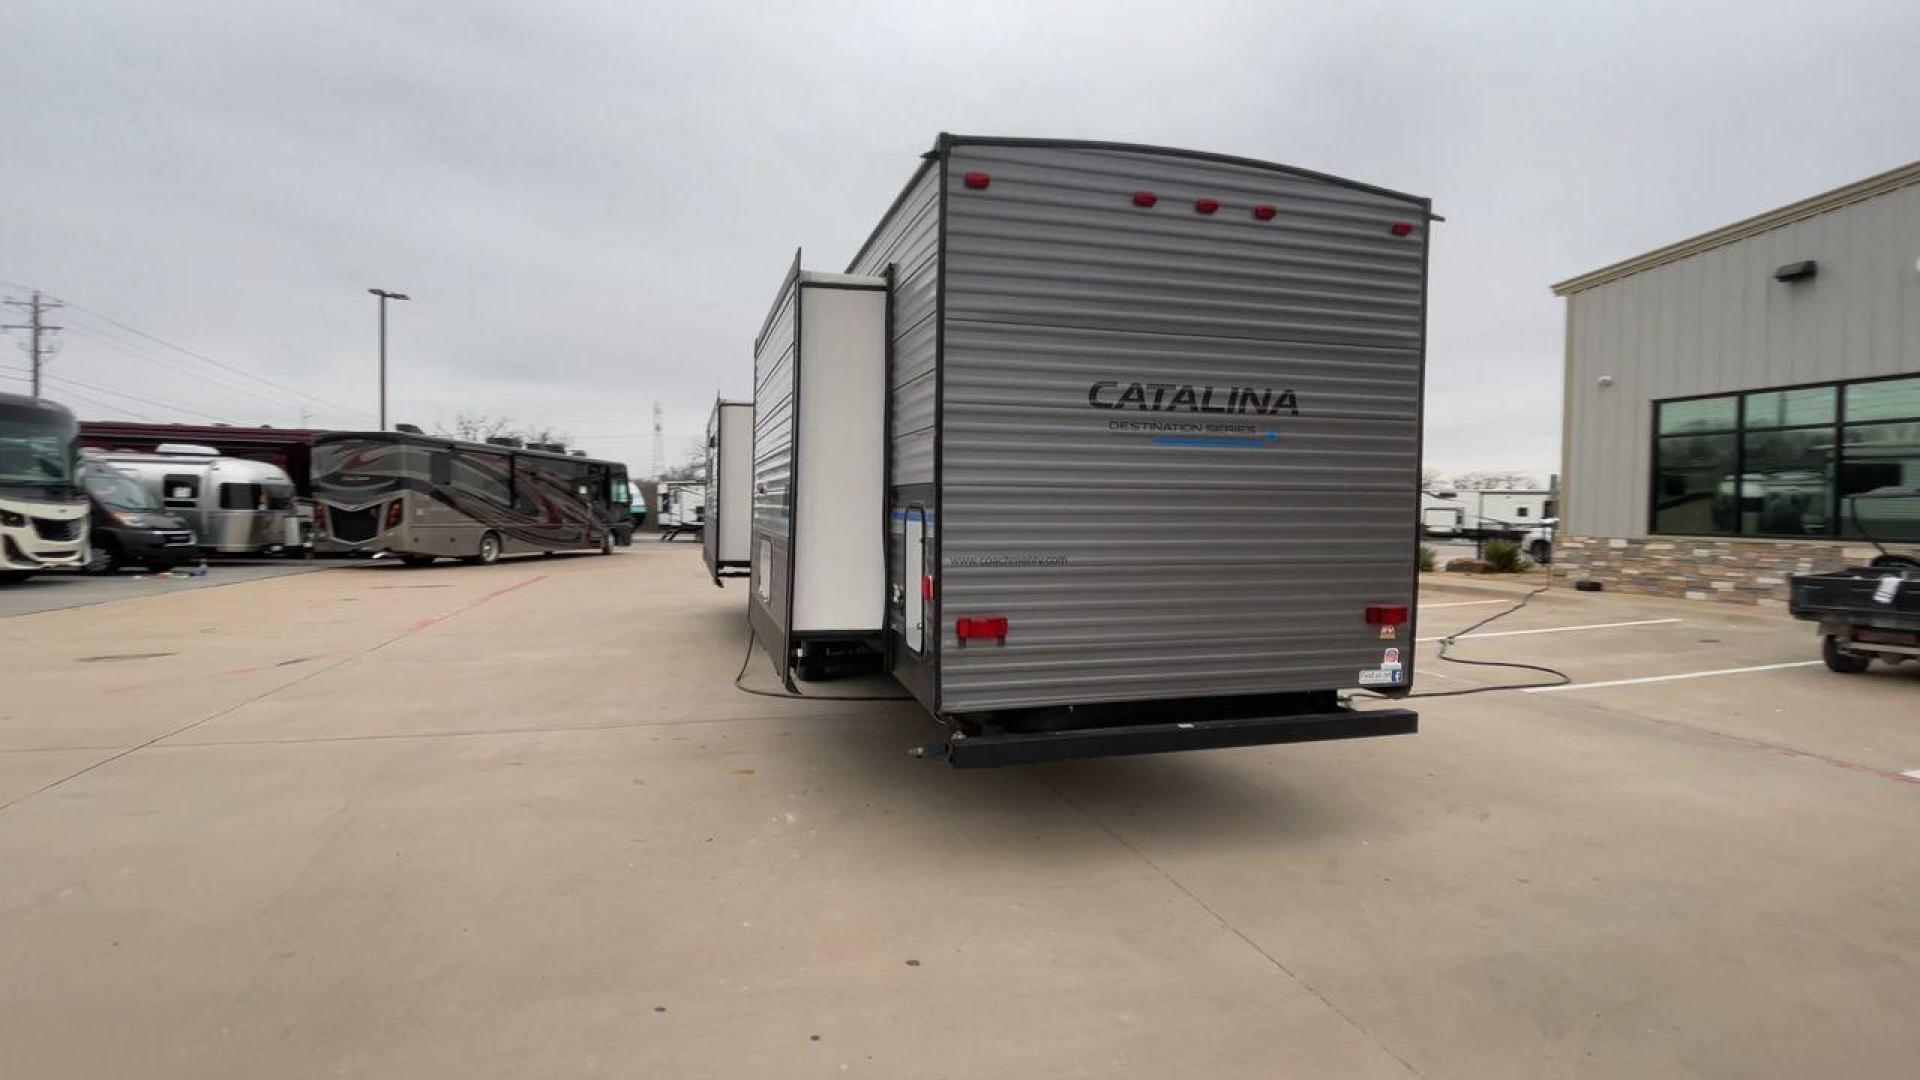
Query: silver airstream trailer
point(234, 506)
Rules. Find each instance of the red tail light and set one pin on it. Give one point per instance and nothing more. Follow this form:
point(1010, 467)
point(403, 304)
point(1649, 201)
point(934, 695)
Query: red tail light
point(1205, 206)
point(1402, 228)
point(1386, 614)
point(395, 511)
point(981, 628)
point(1145, 198)
point(978, 181)
point(1263, 212)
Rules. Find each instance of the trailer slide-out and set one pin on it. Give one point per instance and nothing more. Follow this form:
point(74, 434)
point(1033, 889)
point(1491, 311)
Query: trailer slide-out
point(1103, 449)
point(729, 525)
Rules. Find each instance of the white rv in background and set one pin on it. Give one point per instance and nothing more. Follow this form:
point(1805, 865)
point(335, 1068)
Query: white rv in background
point(1484, 515)
point(681, 507)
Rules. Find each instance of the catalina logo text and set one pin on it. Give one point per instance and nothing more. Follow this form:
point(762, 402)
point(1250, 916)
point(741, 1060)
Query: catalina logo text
point(1184, 397)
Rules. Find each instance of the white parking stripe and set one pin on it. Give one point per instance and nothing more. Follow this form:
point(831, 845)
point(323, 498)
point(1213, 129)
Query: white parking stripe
point(1557, 629)
point(1467, 603)
point(1670, 678)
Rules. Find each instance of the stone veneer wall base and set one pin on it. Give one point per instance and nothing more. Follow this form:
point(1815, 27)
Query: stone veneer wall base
point(1700, 568)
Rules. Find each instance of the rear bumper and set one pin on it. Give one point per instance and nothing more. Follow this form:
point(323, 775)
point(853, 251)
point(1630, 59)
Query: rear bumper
point(990, 750)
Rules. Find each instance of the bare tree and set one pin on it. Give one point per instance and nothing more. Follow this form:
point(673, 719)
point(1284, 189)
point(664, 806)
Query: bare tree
point(1495, 481)
point(693, 462)
point(1431, 479)
point(474, 427)
point(479, 427)
point(547, 434)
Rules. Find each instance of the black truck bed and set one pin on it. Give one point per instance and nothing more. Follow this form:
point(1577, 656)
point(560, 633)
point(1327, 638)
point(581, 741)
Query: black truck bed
point(1847, 596)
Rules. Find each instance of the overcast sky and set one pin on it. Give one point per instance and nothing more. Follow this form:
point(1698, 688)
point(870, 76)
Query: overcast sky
point(592, 203)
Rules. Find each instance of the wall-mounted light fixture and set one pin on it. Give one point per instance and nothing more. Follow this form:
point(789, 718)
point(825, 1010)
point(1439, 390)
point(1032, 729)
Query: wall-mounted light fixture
point(1797, 271)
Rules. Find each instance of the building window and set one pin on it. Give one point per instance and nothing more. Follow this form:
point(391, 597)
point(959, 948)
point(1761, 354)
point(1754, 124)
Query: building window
point(1878, 456)
point(1788, 463)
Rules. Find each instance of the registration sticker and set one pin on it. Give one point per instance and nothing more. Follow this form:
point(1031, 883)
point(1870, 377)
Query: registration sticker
point(1389, 677)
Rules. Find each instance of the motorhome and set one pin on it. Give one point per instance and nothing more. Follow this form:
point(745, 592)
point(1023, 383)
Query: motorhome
point(43, 511)
point(423, 498)
point(729, 489)
point(232, 505)
point(1144, 427)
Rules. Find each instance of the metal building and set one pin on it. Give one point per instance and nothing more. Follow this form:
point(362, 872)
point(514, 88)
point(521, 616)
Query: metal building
point(1728, 395)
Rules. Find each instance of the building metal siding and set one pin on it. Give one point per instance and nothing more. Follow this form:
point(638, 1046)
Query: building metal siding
point(773, 430)
point(1716, 321)
point(1131, 568)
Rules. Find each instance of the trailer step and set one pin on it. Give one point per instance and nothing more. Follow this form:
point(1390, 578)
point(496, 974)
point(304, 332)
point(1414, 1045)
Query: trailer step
point(989, 751)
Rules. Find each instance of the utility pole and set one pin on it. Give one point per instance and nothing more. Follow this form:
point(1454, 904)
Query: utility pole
point(385, 296)
point(39, 347)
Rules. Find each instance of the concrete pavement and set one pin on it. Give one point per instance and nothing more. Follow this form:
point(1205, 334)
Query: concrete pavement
point(514, 821)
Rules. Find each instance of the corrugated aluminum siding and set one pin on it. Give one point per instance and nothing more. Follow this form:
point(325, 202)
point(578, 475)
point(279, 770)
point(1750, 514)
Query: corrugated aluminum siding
point(773, 416)
point(1132, 568)
point(909, 240)
point(1717, 321)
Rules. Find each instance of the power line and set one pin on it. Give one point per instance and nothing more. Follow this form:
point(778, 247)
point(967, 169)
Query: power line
point(39, 345)
point(67, 380)
point(242, 372)
point(68, 392)
point(203, 358)
point(172, 364)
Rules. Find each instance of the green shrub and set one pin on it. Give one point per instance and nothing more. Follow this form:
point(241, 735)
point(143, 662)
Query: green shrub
point(1504, 556)
point(1427, 555)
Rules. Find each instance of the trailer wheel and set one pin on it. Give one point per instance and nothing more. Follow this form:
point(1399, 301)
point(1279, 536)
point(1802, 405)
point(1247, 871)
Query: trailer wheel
point(489, 550)
point(1541, 552)
point(606, 543)
point(1840, 660)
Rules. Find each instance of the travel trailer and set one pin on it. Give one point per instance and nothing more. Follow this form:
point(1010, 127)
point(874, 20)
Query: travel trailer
point(729, 489)
point(1102, 449)
point(233, 506)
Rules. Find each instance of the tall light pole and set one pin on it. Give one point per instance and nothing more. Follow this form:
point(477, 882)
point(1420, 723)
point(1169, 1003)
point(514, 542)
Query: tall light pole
point(385, 296)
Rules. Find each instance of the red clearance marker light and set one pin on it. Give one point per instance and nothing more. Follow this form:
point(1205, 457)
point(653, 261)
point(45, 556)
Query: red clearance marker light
point(1205, 206)
point(978, 181)
point(1386, 614)
point(1263, 212)
point(1145, 198)
point(926, 587)
point(1402, 228)
point(981, 628)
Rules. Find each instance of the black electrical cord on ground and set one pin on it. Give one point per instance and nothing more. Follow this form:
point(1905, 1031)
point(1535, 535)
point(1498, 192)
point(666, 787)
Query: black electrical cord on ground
point(739, 683)
point(1560, 678)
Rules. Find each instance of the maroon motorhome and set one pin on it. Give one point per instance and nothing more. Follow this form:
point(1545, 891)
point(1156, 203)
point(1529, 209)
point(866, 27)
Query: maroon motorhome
point(289, 448)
